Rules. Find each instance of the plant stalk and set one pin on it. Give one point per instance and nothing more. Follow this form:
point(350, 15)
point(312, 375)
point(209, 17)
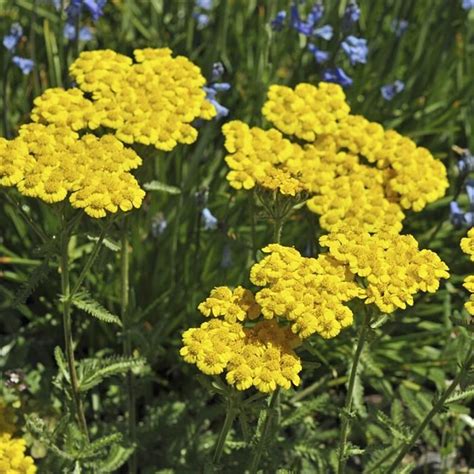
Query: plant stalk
point(434, 410)
point(257, 455)
point(68, 342)
point(127, 343)
point(346, 422)
point(229, 419)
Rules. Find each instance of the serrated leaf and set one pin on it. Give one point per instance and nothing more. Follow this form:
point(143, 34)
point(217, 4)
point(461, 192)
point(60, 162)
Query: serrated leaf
point(318, 404)
point(27, 288)
point(106, 242)
point(461, 395)
point(61, 361)
point(162, 187)
point(94, 371)
point(117, 457)
point(99, 444)
point(84, 301)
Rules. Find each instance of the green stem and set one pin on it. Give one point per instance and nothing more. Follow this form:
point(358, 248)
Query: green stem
point(434, 410)
point(272, 408)
point(127, 343)
point(68, 342)
point(253, 224)
point(277, 228)
point(346, 420)
point(91, 259)
point(229, 419)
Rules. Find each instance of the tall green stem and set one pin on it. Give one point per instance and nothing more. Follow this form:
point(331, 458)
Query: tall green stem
point(346, 420)
point(229, 419)
point(68, 342)
point(436, 408)
point(272, 408)
point(277, 228)
point(127, 343)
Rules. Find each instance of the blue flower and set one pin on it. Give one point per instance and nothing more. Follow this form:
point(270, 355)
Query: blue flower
point(217, 71)
point(95, 7)
point(389, 91)
point(456, 214)
point(204, 4)
point(399, 26)
point(202, 20)
point(320, 55)
point(356, 49)
point(338, 76)
point(306, 27)
point(11, 39)
point(278, 22)
point(209, 221)
point(470, 192)
point(158, 225)
point(324, 32)
point(468, 4)
point(211, 92)
point(351, 14)
point(26, 65)
point(85, 33)
point(466, 163)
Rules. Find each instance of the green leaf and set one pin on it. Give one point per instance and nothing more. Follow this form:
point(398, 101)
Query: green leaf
point(117, 457)
point(61, 361)
point(27, 288)
point(319, 404)
point(93, 371)
point(85, 302)
point(161, 187)
point(98, 445)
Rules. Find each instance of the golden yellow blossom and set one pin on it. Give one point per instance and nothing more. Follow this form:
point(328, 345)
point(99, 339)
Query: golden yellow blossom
point(392, 265)
point(12, 456)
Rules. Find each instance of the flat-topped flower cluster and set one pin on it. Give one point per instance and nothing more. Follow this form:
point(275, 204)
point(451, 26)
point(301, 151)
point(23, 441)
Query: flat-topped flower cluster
point(13, 459)
point(352, 169)
point(75, 146)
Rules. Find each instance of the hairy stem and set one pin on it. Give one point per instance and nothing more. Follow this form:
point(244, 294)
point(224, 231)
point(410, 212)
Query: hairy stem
point(68, 341)
point(346, 420)
point(127, 343)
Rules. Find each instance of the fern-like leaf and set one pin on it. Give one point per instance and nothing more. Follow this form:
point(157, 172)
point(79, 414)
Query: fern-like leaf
point(461, 395)
point(37, 276)
point(61, 361)
point(320, 403)
point(84, 301)
point(117, 457)
point(94, 371)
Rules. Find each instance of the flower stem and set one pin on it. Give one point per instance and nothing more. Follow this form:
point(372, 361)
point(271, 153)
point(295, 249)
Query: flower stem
point(346, 420)
point(257, 455)
point(434, 410)
point(229, 419)
point(68, 342)
point(127, 343)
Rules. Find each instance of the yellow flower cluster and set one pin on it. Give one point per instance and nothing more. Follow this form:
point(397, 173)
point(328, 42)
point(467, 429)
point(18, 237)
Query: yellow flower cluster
point(308, 292)
point(391, 264)
point(352, 169)
point(12, 450)
point(50, 162)
point(467, 246)
point(151, 102)
point(261, 356)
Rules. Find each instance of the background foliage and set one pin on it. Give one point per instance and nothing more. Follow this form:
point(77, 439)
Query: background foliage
point(411, 356)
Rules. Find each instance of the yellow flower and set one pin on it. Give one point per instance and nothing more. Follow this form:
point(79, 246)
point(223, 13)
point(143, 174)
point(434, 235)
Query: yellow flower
point(52, 163)
point(393, 266)
point(467, 244)
point(12, 456)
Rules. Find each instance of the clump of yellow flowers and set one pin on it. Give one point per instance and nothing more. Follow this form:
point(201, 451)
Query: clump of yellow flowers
point(12, 450)
point(252, 335)
point(352, 169)
point(467, 246)
point(151, 102)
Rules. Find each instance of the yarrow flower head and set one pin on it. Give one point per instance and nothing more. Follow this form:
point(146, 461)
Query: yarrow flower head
point(352, 170)
point(151, 102)
point(392, 265)
point(12, 450)
point(356, 49)
point(389, 91)
point(467, 246)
